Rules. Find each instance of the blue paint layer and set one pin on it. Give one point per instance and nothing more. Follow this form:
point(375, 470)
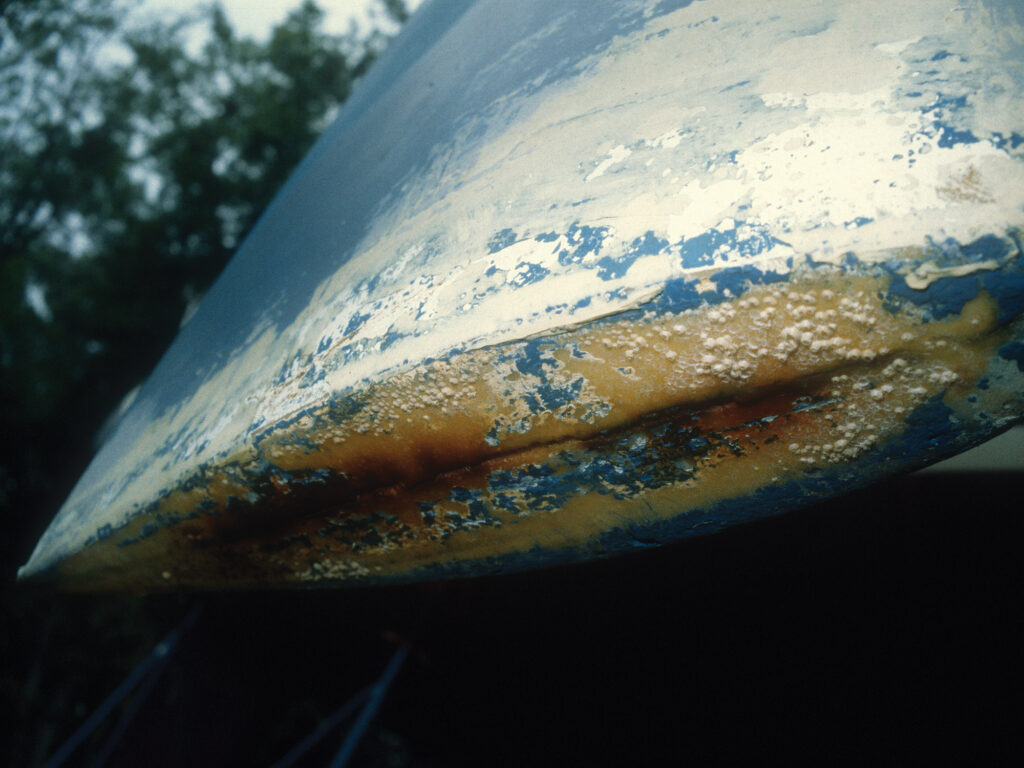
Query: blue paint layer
point(858, 221)
point(947, 296)
point(737, 280)
point(679, 294)
point(1012, 141)
point(931, 433)
point(945, 108)
point(501, 240)
point(1013, 351)
point(941, 298)
point(528, 272)
point(583, 241)
point(744, 239)
point(356, 322)
point(612, 268)
point(535, 359)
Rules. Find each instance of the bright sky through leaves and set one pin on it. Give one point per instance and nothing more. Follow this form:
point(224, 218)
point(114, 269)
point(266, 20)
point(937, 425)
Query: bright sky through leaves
point(256, 17)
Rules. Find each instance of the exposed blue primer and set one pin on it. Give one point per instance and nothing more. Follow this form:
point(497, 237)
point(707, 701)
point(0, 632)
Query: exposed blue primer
point(183, 443)
point(1007, 286)
point(947, 296)
point(477, 510)
point(308, 445)
point(860, 221)
point(931, 433)
point(807, 403)
point(949, 134)
point(621, 468)
point(539, 486)
point(616, 295)
point(427, 511)
point(535, 359)
point(312, 375)
point(952, 103)
point(930, 427)
point(249, 295)
point(583, 241)
point(612, 268)
point(505, 502)
point(147, 530)
point(552, 398)
point(528, 272)
point(700, 251)
point(282, 425)
point(678, 295)
point(999, 141)
point(356, 322)
point(991, 281)
point(737, 280)
point(740, 84)
point(944, 297)
point(389, 338)
point(371, 285)
point(1013, 351)
point(152, 527)
point(668, 6)
point(951, 137)
point(340, 408)
point(547, 237)
point(501, 240)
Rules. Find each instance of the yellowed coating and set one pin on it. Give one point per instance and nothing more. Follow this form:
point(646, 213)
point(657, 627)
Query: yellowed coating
point(426, 431)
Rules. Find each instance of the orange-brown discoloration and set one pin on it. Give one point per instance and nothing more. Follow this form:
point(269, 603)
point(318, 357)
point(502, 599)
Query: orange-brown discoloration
point(336, 499)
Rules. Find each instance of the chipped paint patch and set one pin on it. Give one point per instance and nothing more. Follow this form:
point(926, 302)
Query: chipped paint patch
point(627, 421)
point(615, 155)
point(924, 275)
point(501, 293)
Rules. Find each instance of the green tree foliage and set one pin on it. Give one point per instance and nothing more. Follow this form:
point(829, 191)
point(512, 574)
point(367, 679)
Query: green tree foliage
point(130, 169)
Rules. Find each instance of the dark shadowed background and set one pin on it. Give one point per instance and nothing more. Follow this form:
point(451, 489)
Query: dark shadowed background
point(885, 624)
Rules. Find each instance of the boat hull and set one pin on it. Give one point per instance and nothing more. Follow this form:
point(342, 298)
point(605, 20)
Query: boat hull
point(570, 279)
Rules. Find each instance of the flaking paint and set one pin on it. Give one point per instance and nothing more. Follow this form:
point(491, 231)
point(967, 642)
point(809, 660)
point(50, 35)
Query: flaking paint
point(536, 197)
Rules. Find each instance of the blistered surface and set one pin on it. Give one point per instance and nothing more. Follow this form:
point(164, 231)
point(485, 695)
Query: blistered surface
point(544, 249)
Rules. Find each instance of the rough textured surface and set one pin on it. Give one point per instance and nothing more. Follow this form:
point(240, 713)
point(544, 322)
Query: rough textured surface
point(571, 278)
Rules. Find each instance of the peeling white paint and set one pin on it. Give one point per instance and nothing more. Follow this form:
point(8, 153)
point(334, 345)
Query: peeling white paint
point(615, 155)
point(726, 113)
point(924, 275)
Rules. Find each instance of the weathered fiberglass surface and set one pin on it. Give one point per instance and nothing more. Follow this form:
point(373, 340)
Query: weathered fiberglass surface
point(567, 278)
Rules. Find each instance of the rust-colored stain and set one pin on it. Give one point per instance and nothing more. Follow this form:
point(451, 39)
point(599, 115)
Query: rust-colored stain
point(715, 403)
